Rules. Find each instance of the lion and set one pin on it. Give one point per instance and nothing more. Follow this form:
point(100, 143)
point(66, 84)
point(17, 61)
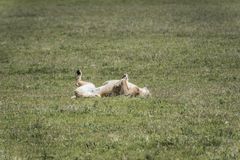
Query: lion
point(109, 88)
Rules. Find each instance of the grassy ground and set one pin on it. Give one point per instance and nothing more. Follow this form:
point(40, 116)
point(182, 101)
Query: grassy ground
point(187, 52)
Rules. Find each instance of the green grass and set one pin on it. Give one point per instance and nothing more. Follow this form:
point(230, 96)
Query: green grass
point(187, 52)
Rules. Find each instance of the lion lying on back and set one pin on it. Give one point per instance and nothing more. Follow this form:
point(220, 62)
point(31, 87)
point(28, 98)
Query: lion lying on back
point(109, 88)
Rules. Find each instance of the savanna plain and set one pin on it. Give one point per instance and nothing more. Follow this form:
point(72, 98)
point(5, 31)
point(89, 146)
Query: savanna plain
point(186, 52)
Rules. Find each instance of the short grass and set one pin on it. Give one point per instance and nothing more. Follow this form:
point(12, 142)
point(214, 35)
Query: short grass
point(187, 52)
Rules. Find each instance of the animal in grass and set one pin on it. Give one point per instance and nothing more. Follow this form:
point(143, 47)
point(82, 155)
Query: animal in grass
point(109, 88)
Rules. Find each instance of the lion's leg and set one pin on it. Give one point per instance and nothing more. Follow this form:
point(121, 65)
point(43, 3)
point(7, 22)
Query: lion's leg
point(79, 81)
point(79, 78)
point(125, 90)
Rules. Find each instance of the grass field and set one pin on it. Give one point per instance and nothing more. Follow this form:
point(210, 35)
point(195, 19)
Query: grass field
point(187, 52)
